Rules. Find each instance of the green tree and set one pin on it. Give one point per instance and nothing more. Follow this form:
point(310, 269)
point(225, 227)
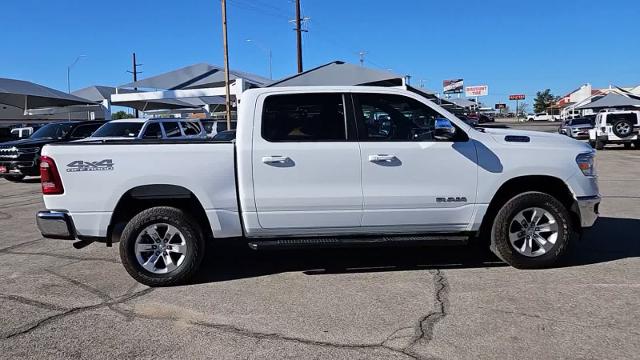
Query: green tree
point(121, 115)
point(543, 100)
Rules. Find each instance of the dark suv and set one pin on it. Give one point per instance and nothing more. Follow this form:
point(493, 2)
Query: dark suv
point(21, 158)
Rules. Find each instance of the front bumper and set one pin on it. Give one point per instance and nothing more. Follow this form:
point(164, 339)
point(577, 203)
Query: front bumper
point(20, 168)
point(56, 225)
point(588, 206)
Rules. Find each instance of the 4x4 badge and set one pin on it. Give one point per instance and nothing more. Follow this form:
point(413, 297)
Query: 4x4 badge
point(79, 165)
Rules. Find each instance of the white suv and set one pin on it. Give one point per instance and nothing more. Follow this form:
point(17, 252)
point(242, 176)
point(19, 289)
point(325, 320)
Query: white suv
point(616, 127)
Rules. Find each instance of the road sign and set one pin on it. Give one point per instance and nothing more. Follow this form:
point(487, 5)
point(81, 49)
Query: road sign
point(479, 90)
point(517, 97)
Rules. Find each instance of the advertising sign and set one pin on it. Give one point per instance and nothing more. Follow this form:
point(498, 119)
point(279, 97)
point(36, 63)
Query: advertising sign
point(479, 90)
point(453, 86)
point(516, 97)
point(501, 106)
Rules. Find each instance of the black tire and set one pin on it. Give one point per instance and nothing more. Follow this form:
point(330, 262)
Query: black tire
point(622, 128)
point(592, 143)
point(192, 235)
point(637, 144)
point(501, 246)
point(627, 145)
point(14, 178)
point(599, 144)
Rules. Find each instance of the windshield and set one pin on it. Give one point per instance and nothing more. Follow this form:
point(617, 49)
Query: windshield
point(52, 131)
point(581, 122)
point(118, 129)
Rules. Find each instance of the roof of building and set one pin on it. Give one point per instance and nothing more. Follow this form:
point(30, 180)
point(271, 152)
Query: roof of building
point(195, 76)
point(611, 100)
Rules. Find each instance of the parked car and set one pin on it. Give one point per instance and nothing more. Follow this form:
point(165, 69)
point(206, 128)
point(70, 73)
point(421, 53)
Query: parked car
point(484, 118)
point(306, 170)
point(168, 129)
point(469, 120)
point(576, 128)
point(21, 158)
point(616, 127)
point(212, 127)
point(226, 135)
point(542, 117)
point(22, 132)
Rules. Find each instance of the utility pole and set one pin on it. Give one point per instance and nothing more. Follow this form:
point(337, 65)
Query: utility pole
point(226, 63)
point(299, 36)
point(134, 71)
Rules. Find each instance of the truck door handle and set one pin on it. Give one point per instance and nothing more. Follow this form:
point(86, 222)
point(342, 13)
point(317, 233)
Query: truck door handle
point(274, 159)
point(381, 157)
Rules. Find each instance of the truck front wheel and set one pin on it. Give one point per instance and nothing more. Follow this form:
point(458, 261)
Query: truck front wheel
point(162, 246)
point(532, 230)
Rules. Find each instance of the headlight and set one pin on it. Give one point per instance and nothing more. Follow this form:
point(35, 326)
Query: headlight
point(586, 163)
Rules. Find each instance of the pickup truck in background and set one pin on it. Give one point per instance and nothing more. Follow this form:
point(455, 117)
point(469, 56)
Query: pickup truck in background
point(322, 166)
point(543, 117)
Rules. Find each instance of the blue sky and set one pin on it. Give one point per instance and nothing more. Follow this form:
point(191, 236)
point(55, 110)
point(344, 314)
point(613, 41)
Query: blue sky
point(513, 46)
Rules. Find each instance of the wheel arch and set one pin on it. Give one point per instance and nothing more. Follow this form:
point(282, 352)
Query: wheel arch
point(144, 197)
point(551, 185)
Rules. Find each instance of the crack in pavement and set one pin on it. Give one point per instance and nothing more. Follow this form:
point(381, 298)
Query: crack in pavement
point(82, 285)
point(32, 302)
point(429, 321)
point(423, 330)
point(232, 329)
point(16, 246)
point(30, 327)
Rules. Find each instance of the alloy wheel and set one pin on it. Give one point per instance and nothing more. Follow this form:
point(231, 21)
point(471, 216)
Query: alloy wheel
point(533, 232)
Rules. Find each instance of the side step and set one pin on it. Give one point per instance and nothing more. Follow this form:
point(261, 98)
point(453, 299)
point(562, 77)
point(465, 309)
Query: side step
point(332, 242)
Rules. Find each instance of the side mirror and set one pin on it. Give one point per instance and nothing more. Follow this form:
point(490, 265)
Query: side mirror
point(444, 130)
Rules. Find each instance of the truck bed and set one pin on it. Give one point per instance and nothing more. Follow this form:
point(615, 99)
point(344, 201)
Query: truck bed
point(97, 174)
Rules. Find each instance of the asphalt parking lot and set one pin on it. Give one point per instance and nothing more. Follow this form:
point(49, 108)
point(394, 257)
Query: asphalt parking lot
point(382, 303)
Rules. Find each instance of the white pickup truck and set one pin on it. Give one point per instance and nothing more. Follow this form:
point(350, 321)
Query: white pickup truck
point(322, 166)
point(542, 117)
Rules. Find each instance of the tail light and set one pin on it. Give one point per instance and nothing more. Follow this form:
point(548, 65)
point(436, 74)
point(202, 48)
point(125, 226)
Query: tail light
point(50, 177)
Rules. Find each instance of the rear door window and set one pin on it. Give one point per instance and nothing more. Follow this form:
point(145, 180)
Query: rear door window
point(172, 129)
point(84, 131)
point(190, 128)
point(153, 131)
point(304, 117)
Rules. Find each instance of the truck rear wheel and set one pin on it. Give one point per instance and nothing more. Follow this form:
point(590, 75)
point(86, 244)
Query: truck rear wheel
point(532, 230)
point(599, 144)
point(162, 246)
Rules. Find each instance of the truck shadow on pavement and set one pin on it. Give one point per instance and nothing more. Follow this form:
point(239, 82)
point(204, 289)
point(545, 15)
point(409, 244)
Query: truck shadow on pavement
point(611, 239)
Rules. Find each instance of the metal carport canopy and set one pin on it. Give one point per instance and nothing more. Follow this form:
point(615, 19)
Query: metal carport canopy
point(195, 77)
point(611, 100)
point(27, 95)
point(339, 73)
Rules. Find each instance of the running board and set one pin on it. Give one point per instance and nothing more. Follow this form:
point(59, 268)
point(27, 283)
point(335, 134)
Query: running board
point(331, 242)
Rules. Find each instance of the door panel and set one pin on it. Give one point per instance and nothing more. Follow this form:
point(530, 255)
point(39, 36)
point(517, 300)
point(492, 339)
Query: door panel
point(306, 175)
point(411, 176)
point(430, 184)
